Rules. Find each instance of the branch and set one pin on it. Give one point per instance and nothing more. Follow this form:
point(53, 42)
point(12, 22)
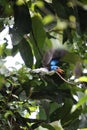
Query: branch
point(64, 79)
point(44, 71)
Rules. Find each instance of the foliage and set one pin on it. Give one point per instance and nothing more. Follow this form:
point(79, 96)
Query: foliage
point(59, 102)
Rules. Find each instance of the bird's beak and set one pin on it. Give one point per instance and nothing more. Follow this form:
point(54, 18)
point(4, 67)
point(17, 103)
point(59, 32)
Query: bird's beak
point(59, 70)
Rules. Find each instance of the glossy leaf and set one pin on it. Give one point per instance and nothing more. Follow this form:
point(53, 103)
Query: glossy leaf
point(26, 53)
point(38, 31)
point(22, 23)
point(38, 36)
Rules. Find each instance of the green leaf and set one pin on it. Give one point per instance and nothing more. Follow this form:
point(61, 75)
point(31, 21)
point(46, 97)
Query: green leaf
point(22, 23)
point(22, 19)
point(42, 114)
point(41, 128)
point(80, 103)
point(48, 126)
point(53, 107)
point(38, 37)
point(60, 8)
point(38, 30)
point(15, 37)
point(82, 79)
point(2, 81)
point(83, 129)
point(26, 53)
point(57, 125)
point(8, 113)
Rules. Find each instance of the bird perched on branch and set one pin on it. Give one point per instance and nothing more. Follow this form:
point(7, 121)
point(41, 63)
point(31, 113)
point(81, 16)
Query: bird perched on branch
point(52, 59)
point(60, 60)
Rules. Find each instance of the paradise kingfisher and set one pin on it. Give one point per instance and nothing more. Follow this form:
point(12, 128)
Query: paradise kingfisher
point(52, 59)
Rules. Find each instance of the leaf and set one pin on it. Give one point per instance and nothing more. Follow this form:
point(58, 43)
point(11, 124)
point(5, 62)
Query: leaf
point(38, 30)
point(82, 79)
point(60, 8)
point(26, 53)
point(22, 23)
point(42, 114)
point(38, 36)
point(2, 81)
point(15, 37)
point(41, 128)
point(80, 103)
point(83, 129)
point(61, 112)
point(57, 125)
point(48, 126)
point(22, 19)
point(53, 107)
point(64, 114)
point(2, 49)
point(8, 113)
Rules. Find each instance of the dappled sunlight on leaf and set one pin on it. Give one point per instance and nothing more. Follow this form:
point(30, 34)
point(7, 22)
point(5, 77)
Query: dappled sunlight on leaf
point(57, 125)
point(82, 79)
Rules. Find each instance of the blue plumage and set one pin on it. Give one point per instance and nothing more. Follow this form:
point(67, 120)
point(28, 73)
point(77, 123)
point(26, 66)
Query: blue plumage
point(52, 59)
point(53, 67)
point(54, 64)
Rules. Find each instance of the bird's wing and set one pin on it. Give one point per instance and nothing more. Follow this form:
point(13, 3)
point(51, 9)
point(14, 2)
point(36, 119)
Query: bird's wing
point(47, 57)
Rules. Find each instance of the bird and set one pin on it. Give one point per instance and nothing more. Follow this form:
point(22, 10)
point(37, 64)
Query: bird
point(57, 60)
point(52, 59)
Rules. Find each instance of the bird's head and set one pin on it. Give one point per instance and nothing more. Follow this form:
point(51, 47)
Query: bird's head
point(51, 59)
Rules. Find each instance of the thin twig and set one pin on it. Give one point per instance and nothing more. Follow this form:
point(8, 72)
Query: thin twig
point(64, 79)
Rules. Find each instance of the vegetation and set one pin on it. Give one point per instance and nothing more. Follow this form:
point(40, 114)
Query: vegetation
point(58, 101)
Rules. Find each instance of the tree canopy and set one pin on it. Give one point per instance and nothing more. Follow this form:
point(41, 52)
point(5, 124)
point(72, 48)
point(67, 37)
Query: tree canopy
point(58, 102)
